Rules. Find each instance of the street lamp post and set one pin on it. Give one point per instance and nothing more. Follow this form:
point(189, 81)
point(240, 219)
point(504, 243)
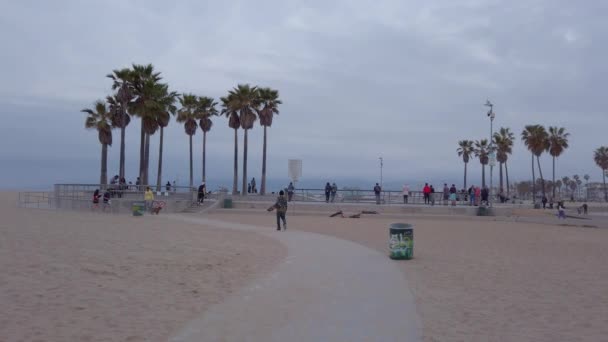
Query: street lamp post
point(381, 165)
point(491, 115)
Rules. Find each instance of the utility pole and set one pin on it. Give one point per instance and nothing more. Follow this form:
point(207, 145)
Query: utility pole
point(491, 115)
point(381, 166)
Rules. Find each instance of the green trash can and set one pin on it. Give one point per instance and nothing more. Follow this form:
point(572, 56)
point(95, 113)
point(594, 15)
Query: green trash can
point(484, 211)
point(138, 208)
point(227, 202)
point(401, 241)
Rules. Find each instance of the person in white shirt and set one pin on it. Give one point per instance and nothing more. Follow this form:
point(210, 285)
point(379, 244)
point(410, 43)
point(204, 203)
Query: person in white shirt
point(406, 193)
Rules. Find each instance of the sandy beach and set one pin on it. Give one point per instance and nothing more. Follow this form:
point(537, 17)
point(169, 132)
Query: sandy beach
point(479, 280)
point(94, 277)
point(69, 276)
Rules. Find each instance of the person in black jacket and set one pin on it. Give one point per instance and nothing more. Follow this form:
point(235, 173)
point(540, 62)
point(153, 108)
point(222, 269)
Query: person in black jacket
point(327, 192)
point(202, 189)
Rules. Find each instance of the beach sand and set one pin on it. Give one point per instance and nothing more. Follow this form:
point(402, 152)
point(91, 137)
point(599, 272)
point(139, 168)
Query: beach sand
point(69, 276)
point(475, 279)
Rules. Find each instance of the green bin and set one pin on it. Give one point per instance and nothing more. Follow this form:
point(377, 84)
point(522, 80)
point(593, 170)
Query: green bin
point(484, 211)
point(401, 241)
point(227, 202)
point(138, 208)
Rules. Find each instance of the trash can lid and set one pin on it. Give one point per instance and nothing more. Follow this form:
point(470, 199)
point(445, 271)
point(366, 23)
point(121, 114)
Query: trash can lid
point(401, 226)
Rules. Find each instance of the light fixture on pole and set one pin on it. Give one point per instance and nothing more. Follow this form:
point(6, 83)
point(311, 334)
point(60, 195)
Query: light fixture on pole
point(492, 153)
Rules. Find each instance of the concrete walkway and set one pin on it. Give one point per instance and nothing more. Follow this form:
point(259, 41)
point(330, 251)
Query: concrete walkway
point(327, 289)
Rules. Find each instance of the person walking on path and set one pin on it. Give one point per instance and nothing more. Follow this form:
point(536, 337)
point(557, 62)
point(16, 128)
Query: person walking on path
point(544, 200)
point(446, 193)
point(432, 195)
point(149, 198)
point(406, 193)
point(95, 199)
point(453, 194)
point(484, 196)
point(281, 207)
point(426, 192)
point(327, 192)
point(472, 195)
point(253, 188)
point(290, 190)
point(202, 189)
point(106, 200)
point(168, 186)
point(334, 191)
point(377, 191)
point(477, 195)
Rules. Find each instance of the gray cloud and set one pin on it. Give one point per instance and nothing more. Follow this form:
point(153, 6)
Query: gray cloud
point(401, 79)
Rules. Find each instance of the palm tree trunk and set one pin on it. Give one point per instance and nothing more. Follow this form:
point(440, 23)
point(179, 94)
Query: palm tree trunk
point(121, 168)
point(263, 185)
point(191, 170)
point(159, 174)
point(465, 176)
point(553, 193)
point(236, 163)
point(605, 190)
point(147, 160)
point(507, 178)
point(204, 155)
point(103, 178)
point(483, 176)
point(540, 172)
point(500, 173)
point(244, 193)
point(533, 182)
point(142, 144)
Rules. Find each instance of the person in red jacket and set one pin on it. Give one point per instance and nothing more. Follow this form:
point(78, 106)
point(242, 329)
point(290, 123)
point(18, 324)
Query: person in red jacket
point(426, 192)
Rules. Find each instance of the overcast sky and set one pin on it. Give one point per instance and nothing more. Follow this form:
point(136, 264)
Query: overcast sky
point(404, 80)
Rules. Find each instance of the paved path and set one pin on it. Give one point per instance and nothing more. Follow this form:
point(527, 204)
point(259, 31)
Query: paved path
point(327, 289)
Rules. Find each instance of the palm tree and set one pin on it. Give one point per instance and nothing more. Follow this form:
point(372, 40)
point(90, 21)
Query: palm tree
point(566, 183)
point(207, 110)
point(245, 100)
point(234, 122)
point(586, 176)
point(269, 100)
point(167, 108)
point(482, 151)
point(465, 150)
point(601, 159)
point(535, 137)
point(503, 140)
point(100, 119)
point(144, 80)
point(558, 143)
point(122, 84)
point(188, 114)
point(558, 184)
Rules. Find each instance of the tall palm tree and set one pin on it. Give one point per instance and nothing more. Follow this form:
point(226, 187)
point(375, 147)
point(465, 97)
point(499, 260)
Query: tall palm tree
point(465, 150)
point(482, 150)
point(166, 101)
point(234, 122)
point(586, 176)
point(122, 83)
point(269, 102)
point(600, 157)
point(558, 184)
point(503, 140)
point(188, 114)
point(535, 138)
point(144, 80)
point(100, 119)
point(245, 100)
point(207, 110)
point(579, 182)
point(558, 143)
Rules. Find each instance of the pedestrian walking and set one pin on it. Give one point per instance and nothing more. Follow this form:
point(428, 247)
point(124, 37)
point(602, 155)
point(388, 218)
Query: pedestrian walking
point(290, 190)
point(377, 191)
point(334, 191)
point(202, 189)
point(426, 191)
point(477, 195)
point(432, 195)
point(149, 198)
point(446, 193)
point(327, 192)
point(281, 207)
point(96, 197)
point(406, 193)
point(254, 190)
